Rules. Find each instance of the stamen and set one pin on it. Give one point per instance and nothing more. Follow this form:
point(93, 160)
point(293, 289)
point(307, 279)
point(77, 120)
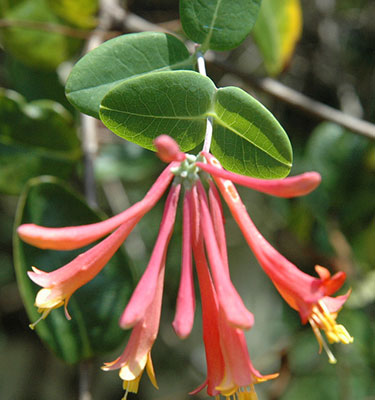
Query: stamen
point(326, 321)
point(322, 342)
point(43, 316)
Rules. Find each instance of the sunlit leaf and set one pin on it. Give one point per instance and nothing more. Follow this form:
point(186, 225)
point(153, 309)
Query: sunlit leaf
point(173, 103)
point(218, 24)
point(247, 138)
point(278, 28)
point(35, 138)
point(119, 59)
point(96, 307)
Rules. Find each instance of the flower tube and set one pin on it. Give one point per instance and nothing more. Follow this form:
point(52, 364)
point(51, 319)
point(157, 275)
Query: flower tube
point(59, 285)
point(294, 186)
point(137, 354)
point(185, 307)
point(145, 290)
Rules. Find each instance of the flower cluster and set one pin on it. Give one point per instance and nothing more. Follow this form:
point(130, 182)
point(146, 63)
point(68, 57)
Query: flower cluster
point(230, 372)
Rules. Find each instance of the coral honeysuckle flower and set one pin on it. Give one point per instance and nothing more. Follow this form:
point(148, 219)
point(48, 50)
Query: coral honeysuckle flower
point(230, 372)
point(308, 295)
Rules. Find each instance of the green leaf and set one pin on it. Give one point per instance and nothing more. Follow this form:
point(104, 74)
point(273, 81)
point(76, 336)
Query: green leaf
point(35, 138)
point(278, 28)
point(247, 138)
point(218, 24)
point(96, 307)
point(173, 103)
point(34, 47)
point(119, 59)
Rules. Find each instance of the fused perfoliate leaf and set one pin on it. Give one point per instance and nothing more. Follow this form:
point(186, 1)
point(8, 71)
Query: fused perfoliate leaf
point(276, 32)
point(218, 24)
point(247, 138)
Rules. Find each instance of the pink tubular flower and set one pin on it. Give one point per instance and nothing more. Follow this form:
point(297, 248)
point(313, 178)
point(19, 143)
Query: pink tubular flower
point(230, 372)
point(59, 285)
point(294, 186)
point(137, 354)
point(143, 310)
point(185, 306)
point(74, 237)
point(304, 293)
point(146, 288)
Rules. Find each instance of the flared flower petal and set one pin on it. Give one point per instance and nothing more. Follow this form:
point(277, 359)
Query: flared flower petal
point(185, 307)
point(74, 237)
point(59, 285)
point(294, 186)
point(145, 290)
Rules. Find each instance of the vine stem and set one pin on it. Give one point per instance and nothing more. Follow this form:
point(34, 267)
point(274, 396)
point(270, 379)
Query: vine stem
point(209, 123)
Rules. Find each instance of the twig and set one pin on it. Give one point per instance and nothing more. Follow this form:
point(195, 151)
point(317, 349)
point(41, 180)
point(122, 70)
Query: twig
point(90, 148)
point(108, 9)
point(302, 102)
point(278, 90)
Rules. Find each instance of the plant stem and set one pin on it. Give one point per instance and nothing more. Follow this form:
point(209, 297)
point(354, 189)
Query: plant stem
point(209, 123)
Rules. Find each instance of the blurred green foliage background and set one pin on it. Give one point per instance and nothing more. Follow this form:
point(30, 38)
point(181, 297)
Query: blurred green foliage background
point(334, 63)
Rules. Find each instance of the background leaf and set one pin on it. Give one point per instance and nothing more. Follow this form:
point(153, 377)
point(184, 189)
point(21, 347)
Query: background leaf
point(278, 28)
point(218, 24)
point(174, 103)
point(247, 138)
point(119, 59)
point(80, 13)
point(35, 138)
point(96, 307)
point(36, 48)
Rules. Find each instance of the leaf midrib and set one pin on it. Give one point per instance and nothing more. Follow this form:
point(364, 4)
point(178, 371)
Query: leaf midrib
point(225, 125)
point(188, 118)
point(206, 43)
